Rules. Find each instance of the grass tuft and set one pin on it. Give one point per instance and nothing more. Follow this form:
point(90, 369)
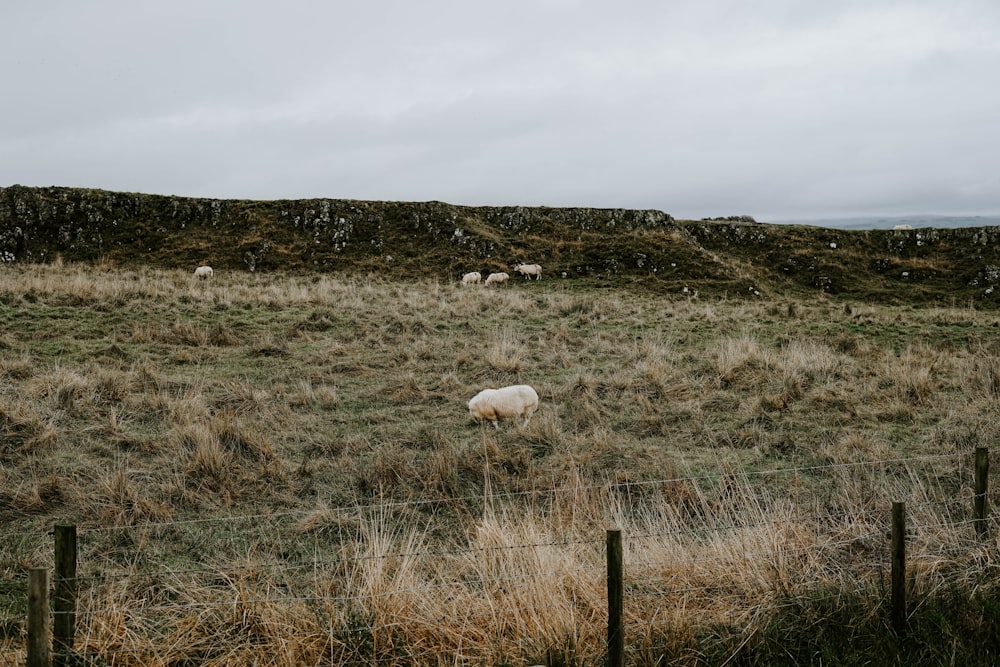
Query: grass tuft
point(281, 469)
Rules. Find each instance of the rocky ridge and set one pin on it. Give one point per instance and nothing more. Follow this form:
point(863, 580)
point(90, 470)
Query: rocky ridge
point(733, 256)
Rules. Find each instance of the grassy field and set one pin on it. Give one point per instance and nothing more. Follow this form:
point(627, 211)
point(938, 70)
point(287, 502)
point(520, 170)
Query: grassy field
point(281, 469)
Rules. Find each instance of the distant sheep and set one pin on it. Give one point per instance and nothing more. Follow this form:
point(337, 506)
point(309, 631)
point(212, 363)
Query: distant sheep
point(472, 278)
point(496, 279)
point(203, 272)
point(491, 405)
point(901, 227)
point(529, 270)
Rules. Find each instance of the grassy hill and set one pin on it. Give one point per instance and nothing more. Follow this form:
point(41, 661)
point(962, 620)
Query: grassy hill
point(442, 241)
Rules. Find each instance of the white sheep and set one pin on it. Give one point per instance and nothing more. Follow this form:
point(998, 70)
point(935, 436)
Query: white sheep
point(472, 278)
point(496, 278)
point(519, 400)
point(901, 227)
point(203, 272)
point(528, 270)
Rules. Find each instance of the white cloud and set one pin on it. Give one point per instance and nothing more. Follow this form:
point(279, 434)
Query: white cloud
point(782, 108)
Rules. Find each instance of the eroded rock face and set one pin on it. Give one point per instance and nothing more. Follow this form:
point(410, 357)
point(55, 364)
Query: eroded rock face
point(80, 224)
point(435, 239)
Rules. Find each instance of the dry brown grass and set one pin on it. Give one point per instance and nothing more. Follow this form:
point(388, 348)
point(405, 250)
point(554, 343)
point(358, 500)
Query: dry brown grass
point(281, 469)
point(524, 586)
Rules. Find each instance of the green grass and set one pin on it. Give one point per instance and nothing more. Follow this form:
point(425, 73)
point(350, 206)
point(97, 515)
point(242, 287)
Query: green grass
point(212, 438)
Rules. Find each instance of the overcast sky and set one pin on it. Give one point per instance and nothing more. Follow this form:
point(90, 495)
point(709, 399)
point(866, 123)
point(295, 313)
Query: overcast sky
point(780, 109)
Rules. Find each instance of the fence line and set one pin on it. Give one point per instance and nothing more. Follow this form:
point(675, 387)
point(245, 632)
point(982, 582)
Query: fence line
point(492, 496)
point(253, 567)
point(634, 592)
point(752, 550)
point(808, 520)
point(697, 531)
point(318, 564)
point(481, 581)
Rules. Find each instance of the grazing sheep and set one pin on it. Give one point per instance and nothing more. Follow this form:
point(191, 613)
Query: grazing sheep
point(528, 270)
point(496, 279)
point(203, 272)
point(472, 278)
point(519, 400)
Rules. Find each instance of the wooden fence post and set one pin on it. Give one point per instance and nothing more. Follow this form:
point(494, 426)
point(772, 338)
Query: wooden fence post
point(64, 597)
point(38, 649)
point(616, 594)
point(898, 608)
point(982, 482)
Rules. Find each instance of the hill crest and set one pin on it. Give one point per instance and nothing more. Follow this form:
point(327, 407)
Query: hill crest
point(649, 248)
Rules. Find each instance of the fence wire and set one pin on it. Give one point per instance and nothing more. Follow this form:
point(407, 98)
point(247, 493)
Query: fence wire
point(383, 505)
point(672, 555)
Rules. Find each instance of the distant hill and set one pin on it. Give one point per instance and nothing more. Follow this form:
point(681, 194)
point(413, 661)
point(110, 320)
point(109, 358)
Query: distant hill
point(888, 222)
point(645, 249)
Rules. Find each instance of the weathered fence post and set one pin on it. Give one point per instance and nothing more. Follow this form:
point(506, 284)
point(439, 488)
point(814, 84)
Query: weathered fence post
point(616, 594)
point(982, 482)
point(38, 649)
point(898, 608)
point(64, 596)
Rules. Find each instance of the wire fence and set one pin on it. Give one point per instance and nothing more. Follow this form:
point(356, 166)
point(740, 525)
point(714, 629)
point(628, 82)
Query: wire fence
point(526, 579)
